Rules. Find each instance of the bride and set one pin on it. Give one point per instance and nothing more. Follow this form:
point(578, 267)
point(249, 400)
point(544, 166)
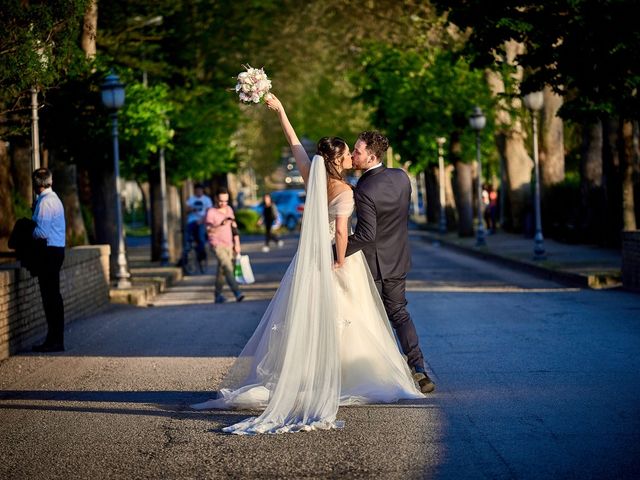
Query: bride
point(325, 339)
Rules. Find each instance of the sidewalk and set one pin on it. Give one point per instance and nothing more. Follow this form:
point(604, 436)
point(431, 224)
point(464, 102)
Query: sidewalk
point(148, 279)
point(578, 265)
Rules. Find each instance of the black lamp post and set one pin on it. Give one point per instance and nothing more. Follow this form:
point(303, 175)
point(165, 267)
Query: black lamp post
point(113, 99)
point(534, 101)
point(477, 121)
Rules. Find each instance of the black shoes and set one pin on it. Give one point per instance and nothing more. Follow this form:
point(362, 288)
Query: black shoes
point(424, 382)
point(49, 348)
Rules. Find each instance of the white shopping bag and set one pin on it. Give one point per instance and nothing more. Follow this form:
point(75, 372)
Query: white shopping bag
point(243, 271)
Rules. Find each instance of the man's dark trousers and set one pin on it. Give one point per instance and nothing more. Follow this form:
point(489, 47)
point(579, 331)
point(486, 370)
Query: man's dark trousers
point(392, 292)
point(49, 280)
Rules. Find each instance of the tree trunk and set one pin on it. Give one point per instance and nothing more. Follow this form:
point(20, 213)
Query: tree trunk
point(449, 199)
point(90, 29)
point(518, 167)
point(432, 195)
point(636, 168)
point(552, 141)
point(592, 190)
point(85, 196)
point(609, 232)
point(156, 212)
point(21, 169)
point(627, 156)
point(174, 218)
point(7, 219)
point(146, 201)
point(65, 183)
point(464, 198)
point(510, 143)
point(591, 164)
point(174, 221)
point(103, 198)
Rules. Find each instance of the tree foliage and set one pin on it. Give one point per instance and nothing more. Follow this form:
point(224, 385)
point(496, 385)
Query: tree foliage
point(421, 95)
point(145, 125)
point(587, 50)
point(38, 47)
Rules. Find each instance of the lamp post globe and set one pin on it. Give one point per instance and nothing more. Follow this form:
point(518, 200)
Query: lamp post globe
point(477, 122)
point(113, 99)
point(534, 101)
point(112, 92)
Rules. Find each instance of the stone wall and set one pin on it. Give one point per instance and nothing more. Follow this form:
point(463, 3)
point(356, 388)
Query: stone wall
point(84, 284)
point(631, 260)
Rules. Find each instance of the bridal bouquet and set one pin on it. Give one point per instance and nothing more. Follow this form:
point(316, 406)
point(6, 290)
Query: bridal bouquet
point(252, 85)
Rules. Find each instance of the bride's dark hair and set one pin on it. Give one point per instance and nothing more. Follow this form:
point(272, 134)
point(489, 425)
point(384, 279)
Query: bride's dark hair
point(331, 148)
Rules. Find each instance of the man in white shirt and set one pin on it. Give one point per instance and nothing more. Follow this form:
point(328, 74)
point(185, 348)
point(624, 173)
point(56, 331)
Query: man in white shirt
point(197, 206)
point(48, 214)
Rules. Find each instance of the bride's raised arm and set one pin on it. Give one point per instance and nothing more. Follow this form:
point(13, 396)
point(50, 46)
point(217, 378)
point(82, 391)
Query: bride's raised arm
point(299, 153)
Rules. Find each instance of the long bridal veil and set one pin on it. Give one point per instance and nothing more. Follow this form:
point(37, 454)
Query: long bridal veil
point(291, 364)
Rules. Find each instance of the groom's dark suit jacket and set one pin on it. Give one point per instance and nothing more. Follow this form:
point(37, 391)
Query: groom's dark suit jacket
point(382, 198)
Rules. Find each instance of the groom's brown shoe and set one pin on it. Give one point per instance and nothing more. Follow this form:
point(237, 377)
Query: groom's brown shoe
point(424, 382)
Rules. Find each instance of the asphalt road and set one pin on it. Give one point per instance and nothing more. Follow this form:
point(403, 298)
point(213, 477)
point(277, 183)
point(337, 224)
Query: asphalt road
point(534, 380)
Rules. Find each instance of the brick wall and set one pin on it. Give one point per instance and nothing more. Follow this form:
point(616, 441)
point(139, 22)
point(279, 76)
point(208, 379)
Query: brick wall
point(631, 260)
point(84, 284)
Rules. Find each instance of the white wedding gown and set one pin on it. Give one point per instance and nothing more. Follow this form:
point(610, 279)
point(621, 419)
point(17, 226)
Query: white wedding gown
point(324, 339)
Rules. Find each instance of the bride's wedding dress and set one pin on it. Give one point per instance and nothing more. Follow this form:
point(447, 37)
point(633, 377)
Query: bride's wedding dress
point(324, 339)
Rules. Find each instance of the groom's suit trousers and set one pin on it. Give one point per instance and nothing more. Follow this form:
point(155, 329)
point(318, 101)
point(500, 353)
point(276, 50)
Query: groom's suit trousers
point(392, 292)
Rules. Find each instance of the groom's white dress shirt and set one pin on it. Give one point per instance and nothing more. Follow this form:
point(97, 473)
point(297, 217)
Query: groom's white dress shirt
point(375, 166)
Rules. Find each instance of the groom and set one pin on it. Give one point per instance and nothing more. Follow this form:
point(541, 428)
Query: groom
point(382, 198)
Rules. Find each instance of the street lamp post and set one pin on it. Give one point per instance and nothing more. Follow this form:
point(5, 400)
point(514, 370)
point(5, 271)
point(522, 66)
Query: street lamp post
point(442, 227)
point(534, 102)
point(35, 135)
point(477, 121)
point(35, 130)
point(113, 99)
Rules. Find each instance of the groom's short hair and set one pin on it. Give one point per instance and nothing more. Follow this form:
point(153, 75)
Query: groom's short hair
point(377, 144)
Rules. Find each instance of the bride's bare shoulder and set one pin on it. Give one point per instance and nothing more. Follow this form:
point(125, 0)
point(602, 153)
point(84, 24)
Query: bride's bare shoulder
point(338, 188)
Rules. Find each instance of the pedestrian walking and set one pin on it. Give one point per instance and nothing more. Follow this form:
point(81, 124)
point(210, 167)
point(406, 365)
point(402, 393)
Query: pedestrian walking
point(48, 214)
point(197, 206)
point(490, 203)
point(269, 220)
point(220, 223)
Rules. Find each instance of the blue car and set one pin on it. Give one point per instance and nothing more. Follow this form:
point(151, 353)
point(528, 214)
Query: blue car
point(290, 205)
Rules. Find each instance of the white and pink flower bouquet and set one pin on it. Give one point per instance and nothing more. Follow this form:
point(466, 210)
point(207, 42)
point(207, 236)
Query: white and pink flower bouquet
point(252, 85)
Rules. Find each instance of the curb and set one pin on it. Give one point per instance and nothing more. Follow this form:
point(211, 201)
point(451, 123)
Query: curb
point(593, 281)
point(147, 282)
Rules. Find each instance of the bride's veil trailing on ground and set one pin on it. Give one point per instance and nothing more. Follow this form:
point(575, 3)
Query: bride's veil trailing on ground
point(293, 356)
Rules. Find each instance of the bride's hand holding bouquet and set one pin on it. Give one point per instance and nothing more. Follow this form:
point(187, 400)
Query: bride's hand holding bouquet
point(273, 102)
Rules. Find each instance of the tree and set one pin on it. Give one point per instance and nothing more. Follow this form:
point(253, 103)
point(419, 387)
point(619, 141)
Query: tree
point(588, 51)
point(421, 95)
point(38, 49)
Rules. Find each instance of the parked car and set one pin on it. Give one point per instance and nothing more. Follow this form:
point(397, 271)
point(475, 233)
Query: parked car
point(290, 205)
